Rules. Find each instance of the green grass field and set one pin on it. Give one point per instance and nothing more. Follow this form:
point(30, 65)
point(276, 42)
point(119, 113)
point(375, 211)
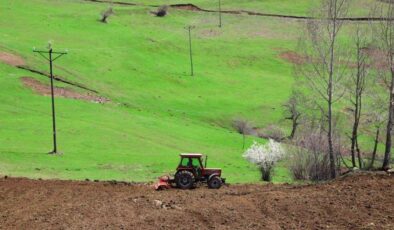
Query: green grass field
point(141, 64)
point(286, 7)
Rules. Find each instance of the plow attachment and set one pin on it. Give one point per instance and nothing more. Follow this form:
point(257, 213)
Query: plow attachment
point(165, 182)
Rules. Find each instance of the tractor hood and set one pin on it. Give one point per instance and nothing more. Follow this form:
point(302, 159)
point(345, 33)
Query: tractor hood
point(210, 171)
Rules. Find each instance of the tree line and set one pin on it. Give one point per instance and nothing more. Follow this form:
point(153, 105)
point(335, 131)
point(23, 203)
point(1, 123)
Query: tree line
point(343, 93)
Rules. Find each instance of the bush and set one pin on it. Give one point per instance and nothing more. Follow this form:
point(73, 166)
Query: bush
point(272, 132)
point(265, 157)
point(105, 14)
point(161, 11)
point(243, 127)
point(309, 159)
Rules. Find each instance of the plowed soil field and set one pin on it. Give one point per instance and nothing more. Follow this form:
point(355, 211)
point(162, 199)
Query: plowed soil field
point(362, 201)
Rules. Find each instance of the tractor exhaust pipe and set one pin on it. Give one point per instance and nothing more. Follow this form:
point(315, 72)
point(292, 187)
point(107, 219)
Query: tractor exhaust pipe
point(206, 160)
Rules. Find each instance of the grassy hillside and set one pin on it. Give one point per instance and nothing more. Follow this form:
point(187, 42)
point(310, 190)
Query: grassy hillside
point(286, 7)
point(141, 64)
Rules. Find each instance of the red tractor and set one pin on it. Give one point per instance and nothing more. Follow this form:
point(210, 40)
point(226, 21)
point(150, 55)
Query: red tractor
point(190, 171)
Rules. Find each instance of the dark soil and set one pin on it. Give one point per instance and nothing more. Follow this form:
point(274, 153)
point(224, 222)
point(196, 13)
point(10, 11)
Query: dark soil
point(352, 202)
point(45, 90)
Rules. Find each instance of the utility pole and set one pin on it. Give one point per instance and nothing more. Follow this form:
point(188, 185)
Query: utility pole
point(51, 59)
point(190, 49)
point(220, 14)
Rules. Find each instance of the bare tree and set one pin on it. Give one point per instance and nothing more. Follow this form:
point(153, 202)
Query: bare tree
point(243, 127)
point(324, 70)
point(375, 147)
point(375, 112)
point(356, 91)
point(293, 112)
point(386, 43)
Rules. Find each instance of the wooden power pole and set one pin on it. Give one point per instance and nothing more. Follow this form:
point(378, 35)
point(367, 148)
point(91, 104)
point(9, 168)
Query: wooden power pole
point(51, 59)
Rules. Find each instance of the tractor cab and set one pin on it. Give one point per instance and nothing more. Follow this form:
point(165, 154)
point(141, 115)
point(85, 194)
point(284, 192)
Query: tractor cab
point(192, 160)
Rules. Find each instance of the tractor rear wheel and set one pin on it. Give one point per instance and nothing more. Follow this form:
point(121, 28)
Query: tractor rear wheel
point(215, 182)
point(184, 179)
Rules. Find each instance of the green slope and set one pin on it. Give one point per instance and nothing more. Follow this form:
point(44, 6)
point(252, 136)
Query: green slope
point(286, 7)
point(141, 64)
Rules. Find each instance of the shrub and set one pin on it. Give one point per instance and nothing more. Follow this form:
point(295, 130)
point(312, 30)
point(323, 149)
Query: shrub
point(161, 11)
point(309, 159)
point(243, 127)
point(265, 157)
point(272, 132)
point(105, 14)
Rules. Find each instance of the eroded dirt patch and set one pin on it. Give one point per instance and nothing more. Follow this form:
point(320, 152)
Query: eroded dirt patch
point(11, 59)
point(352, 202)
point(377, 57)
point(45, 90)
point(293, 57)
point(210, 33)
point(190, 7)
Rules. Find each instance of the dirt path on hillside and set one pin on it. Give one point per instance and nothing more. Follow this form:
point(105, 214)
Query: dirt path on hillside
point(353, 202)
point(45, 90)
point(20, 63)
point(192, 7)
point(11, 59)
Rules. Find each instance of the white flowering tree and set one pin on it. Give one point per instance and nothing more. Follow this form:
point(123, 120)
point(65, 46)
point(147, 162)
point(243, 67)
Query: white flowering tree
point(265, 156)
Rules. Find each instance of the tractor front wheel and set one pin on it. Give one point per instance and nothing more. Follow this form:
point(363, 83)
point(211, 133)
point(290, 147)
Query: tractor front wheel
point(184, 179)
point(215, 182)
